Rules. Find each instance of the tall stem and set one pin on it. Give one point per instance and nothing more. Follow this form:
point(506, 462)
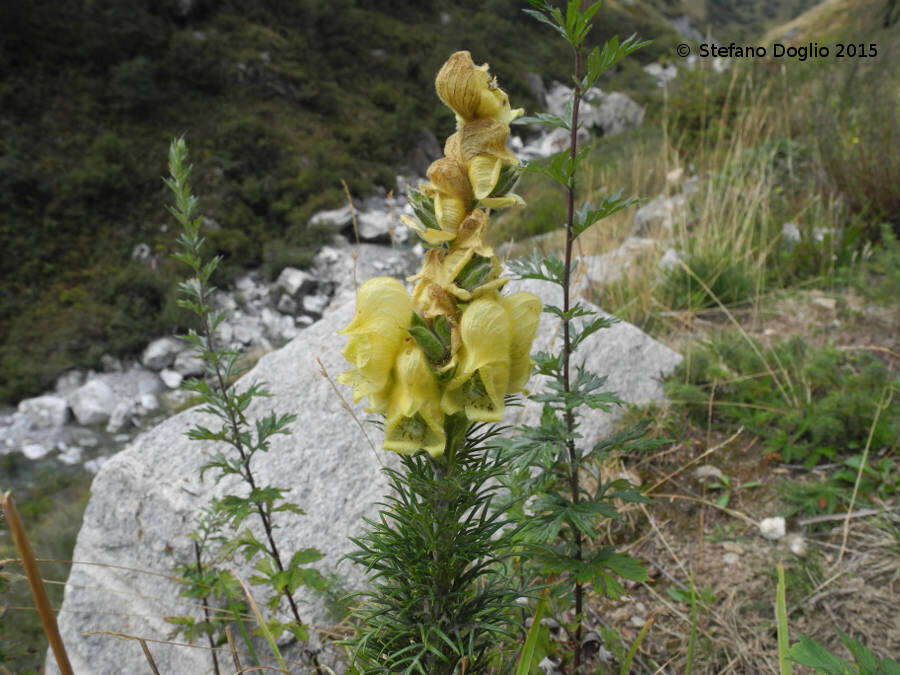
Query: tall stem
point(236, 441)
point(212, 644)
point(567, 345)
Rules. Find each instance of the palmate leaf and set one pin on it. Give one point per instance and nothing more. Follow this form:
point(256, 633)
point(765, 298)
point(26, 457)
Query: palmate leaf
point(598, 569)
point(602, 59)
point(546, 120)
point(587, 215)
point(574, 311)
point(545, 268)
point(588, 328)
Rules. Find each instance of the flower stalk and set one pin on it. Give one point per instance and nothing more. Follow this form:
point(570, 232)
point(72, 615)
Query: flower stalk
point(438, 364)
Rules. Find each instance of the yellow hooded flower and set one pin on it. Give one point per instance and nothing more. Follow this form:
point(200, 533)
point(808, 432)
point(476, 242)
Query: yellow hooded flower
point(414, 420)
point(482, 376)
point(523, 310)
point(430, 295)
point(452, 194)
point(480, 146)
point(376, 334)
point(468, 90)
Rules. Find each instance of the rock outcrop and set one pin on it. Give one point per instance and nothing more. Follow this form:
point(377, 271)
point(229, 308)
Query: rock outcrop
point(145, 500)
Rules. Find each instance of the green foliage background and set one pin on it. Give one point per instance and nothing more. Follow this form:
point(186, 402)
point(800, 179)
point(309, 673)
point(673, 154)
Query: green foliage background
point(281, 100)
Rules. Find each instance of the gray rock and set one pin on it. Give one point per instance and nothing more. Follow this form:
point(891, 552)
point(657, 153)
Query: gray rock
point(294, 282)
point(71, 456)
point(595, 270)
point(45, 412)
point(337, 218)
point(315, 304)
point(161, 353)
point(709, 474)
point(91, 466)
point(141, 252)
point(663, 74)
point(660, 214)
point(790, 233)
point(535, 85)
point(171, 378)
point(35, 451)
point(121, 417)
point(93, 402)
point(772, 528)
point(280, 328)
point(287, 305)
point(148, 403)
point(188, 363)
point(110, 364)
point(616, 113)
point(69, 381)
point(669, 259)
point(145, 499)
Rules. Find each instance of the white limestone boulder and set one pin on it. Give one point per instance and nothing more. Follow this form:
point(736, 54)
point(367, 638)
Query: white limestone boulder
point(145, 499)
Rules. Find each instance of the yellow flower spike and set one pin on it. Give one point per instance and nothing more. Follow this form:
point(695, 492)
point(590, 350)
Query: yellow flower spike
point(483, 373)
point(468, 90)
point(414, 420)
point(376, 334)
point(523, 310)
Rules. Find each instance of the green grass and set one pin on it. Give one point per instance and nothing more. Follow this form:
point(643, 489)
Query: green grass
point(808, 404)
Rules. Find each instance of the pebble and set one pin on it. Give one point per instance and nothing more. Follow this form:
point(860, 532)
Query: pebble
point(772, 528)
point(34, 450)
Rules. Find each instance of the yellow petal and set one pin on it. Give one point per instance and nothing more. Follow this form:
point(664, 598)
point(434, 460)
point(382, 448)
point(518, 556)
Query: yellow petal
point(449, 212)
point(484, 170)
point(468, 90)
point(414, 420)
point(483, 373)
point(495, 104)
point(509, 199)
point(523, 310)
point(483, 136)
point(376, 334)
point(448, 176)
point(460, 83)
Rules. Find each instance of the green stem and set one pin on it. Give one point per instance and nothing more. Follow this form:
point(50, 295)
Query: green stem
point(233, 415)
point(567, 348)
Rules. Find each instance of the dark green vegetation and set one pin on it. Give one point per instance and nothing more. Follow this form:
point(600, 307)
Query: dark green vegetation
point(281, 100)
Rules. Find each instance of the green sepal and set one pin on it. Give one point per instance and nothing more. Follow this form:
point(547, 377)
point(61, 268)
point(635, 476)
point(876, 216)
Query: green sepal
point(509, 176)
point(476, 272)
point(442, 330)
point(429, 343)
